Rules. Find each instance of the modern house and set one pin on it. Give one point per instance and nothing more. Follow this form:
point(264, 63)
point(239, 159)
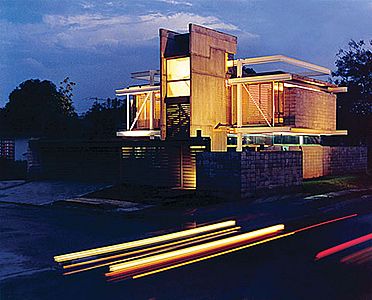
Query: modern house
point(209, 120)
point(202, 90)
point(247, 104)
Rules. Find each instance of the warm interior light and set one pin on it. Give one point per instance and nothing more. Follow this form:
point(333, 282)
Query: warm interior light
point(178, 68)
point(178, 77)
point(178, 88)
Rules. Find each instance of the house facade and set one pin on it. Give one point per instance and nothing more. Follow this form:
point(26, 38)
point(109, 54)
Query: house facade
point(270, 103)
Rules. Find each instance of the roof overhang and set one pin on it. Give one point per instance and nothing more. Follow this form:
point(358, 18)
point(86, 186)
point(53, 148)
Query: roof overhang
point(141, 89)
point(263, 78)
point(292, 80)
point(284, 130)
point(280, 58)
point(146, 75)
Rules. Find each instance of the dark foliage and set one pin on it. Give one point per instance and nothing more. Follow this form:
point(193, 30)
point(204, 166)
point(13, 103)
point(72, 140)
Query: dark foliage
point(354, 108)
point(104, 119)
point(37, 108)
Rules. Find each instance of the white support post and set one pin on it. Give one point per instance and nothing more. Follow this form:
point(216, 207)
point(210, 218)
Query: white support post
point(128, 108)
point(152, 98)
point(239, 142)
point(239, 116)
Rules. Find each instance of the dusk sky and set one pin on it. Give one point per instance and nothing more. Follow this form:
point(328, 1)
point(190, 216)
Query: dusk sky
point(99, 43)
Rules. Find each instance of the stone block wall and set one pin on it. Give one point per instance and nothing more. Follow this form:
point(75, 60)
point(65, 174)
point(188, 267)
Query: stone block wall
point(310, 109)
point(325, 160)
point(235, 174)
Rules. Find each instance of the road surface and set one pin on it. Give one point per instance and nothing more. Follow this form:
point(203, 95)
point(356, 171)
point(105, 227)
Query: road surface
point(281, 269)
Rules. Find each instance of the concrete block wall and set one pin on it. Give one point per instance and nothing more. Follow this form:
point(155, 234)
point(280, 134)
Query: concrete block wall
point(310, 109)
point(325, 160)
point(239, 175)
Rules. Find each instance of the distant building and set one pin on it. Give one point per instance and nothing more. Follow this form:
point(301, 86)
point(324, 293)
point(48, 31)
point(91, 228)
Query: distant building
point(13, 148)
point(7, 149)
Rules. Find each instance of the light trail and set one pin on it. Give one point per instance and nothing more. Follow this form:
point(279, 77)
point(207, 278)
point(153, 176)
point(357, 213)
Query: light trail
point(243, 247)
point(162, 257)
point(324, 223)
point(195, 250)
point(357, 256)
point(343, 246)
point(143, 242)
point(213, 255)
point(184, 243)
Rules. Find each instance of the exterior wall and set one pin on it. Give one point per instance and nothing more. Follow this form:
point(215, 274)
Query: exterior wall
point(236, 174)
point(209, 101)
point(310, 109)
point(324, 160)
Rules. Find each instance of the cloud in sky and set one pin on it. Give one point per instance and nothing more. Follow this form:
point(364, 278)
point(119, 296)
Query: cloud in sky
point(174, 2)
point(92, 30)
point(97, 43)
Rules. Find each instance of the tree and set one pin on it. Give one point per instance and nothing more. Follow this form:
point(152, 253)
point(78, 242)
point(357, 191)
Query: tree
point(104, 119)
point(65, 89)
point(37, 108)
point(354, 70)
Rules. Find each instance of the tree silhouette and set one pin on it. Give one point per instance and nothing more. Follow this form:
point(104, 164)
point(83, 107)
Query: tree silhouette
point(104, 119)
point(37, 108)
point(354, 70)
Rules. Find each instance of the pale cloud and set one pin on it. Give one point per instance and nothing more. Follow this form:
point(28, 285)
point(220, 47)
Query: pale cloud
point(94, 30)
point(87, 5)
point(174, 2)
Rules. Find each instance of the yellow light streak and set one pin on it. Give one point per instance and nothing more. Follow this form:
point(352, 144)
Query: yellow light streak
point(211, 235)
point(184, 241)
point(143, 242)
point(211, 256)
point(195, 249)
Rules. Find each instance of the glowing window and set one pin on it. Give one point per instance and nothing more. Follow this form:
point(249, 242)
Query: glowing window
point(178, 77)
point(178, 88)
point(178, 68)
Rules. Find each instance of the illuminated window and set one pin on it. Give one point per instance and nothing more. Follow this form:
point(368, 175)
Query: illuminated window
point(178, 77)
point(178, 88)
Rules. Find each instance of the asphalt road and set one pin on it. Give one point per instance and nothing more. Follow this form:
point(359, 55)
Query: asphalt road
point(283, 269)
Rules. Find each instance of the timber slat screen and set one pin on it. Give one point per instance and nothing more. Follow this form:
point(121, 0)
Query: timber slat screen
point(161, 164)
point(178, 120)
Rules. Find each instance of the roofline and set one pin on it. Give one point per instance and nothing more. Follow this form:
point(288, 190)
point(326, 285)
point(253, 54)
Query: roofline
point(280, 58)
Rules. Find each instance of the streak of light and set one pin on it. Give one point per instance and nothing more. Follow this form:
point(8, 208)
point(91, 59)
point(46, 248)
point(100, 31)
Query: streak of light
point(199, 237)
point(184, 243)
point(212, 256)
point(326, 222)
point(249, 245)
point(198, 249)
point(356, 256)
point(343, 246)
point(143, 242)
